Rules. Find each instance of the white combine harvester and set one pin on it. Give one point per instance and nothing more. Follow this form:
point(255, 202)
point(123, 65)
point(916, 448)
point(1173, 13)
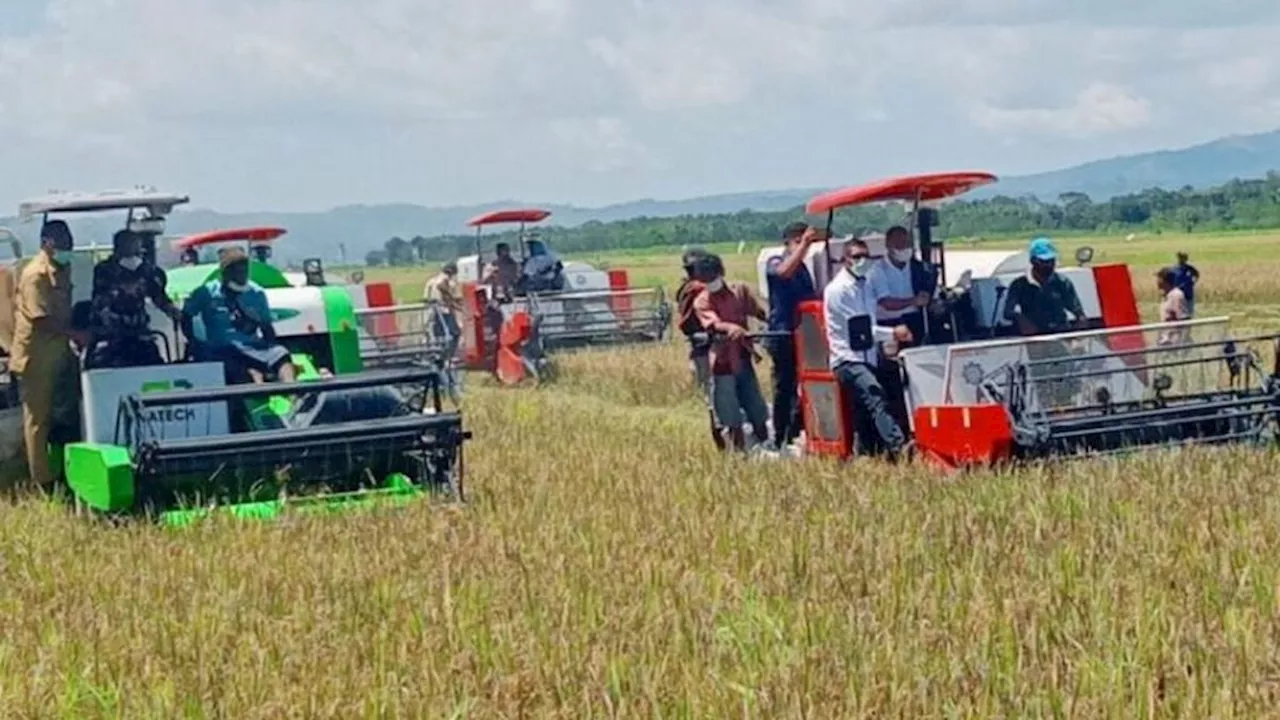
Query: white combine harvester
point(555, 305)
point(977, 392)
point(572, 303)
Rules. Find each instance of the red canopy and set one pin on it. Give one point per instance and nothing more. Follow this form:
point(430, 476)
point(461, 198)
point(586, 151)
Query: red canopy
point(522, 215)
point(255, 234)
point(931, 186)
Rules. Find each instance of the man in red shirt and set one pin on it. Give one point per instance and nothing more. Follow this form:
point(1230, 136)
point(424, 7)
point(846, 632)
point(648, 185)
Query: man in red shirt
point(695, 281)
point(724, 310)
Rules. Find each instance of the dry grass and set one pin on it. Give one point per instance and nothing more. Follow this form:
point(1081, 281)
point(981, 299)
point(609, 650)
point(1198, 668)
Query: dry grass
point(611, 564)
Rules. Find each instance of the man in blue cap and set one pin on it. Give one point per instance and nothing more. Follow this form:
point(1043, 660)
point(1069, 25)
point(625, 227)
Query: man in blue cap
point(1039, 301)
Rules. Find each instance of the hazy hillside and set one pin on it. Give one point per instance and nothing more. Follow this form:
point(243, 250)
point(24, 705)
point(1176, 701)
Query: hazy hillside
point(1207, 165)
point(360, 228)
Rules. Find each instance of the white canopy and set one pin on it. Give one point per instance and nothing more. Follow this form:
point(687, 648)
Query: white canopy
point(158, 204)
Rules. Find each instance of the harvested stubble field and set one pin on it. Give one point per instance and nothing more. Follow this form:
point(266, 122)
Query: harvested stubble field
point(611, 564)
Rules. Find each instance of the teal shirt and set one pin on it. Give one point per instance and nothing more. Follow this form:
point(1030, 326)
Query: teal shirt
point(212, 305)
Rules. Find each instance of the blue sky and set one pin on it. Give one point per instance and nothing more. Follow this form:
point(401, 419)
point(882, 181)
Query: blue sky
point(307, 104)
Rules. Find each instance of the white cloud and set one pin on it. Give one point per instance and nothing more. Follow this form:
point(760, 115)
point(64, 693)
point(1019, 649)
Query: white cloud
point(610, 90)
point(1099, 108)
point(603, 144)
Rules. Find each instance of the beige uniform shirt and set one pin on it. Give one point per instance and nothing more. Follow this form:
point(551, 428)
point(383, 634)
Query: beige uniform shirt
point(443, 290)
point(42, 315)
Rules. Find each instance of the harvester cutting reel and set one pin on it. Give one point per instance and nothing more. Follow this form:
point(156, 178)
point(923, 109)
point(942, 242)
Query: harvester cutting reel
point(1073, 402)
point(366, 439)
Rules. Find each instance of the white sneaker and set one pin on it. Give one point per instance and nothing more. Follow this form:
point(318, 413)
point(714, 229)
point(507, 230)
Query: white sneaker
point(763, 452)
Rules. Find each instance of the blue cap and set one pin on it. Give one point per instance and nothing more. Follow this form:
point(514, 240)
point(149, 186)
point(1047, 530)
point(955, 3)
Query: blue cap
point(1042, 249)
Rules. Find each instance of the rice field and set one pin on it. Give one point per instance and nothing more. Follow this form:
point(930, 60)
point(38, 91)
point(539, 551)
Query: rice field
point(611, 564)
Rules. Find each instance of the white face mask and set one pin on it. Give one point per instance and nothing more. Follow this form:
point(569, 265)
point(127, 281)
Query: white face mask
point(900, 256)
point(236, 287)
point(860, 267)
point(716, 285)
point(131, 262)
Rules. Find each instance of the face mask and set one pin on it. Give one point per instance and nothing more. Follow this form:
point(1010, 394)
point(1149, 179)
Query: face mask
point(236, 286)
point(716, 285)
point(860, 267)
point(62, 257)
point(131, 263)
point(901, 256)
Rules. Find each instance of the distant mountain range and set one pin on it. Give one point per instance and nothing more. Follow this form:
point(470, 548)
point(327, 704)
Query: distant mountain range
point(356, 229)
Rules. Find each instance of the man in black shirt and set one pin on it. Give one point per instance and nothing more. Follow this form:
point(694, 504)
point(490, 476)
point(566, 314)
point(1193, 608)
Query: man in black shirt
point(1038, 304)
point(1039, 301)
point(121, 286)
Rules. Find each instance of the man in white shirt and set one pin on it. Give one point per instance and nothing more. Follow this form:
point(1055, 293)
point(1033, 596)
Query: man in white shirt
point(895, 278)
point(903, 287)
point(857, 345)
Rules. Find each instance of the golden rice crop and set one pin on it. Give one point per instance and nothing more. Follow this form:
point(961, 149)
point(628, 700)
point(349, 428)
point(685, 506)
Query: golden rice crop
point(611, 564)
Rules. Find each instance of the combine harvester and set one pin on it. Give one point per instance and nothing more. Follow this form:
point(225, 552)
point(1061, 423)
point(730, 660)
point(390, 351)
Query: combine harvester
point(177, 440)
point(581, 306)
point(980, 394)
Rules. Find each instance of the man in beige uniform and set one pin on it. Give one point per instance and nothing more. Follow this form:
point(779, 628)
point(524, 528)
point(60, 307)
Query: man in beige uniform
point(444, 303)
point(42, 333)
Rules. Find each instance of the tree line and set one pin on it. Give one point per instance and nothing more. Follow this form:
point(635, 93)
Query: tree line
point(1237, 205)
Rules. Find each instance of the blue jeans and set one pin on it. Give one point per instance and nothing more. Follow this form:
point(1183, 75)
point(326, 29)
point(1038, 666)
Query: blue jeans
point(736, 398)
point(874, 425)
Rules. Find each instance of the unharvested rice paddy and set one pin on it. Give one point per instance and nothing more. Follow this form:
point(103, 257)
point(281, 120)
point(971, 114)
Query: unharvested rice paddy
point(611, 564)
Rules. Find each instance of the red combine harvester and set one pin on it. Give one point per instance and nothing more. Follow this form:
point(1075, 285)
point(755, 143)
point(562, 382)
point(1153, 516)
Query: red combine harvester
point(551, 305)
point(978, 393)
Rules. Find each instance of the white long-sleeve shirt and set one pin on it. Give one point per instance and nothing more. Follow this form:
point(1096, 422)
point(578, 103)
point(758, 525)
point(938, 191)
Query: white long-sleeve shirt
point(847, 297)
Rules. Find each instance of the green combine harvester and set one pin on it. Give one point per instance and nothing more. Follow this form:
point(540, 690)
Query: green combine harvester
point(176, 440)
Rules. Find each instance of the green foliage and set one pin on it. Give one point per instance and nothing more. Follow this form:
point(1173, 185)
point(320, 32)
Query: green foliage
point(1238, 205)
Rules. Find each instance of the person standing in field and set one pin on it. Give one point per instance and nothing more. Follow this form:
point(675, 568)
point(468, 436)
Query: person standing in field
point(42, 356)
point(444, 305)
point(790, 283)
point(724, 310)
point(1173, 306)
point(1186, 276)
point(695, 280)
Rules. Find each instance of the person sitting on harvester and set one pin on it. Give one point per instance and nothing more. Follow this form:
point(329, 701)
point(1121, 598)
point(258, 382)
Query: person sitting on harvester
point(503, 273)
point(903, 286)
point(120, 324)
point(724, 310)
point(542, 270)
point(500, 276)
point(857, 347)
point(1039, 301)
point(237, 321)
point(695, 264)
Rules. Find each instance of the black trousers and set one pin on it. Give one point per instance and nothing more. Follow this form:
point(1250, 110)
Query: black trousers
point(876, 429)
point(890, 375)
point(787, 423)
point(123, 352)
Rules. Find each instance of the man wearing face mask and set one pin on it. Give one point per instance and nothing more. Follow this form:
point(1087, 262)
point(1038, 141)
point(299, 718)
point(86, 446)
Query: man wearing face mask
point(694, 262)
point(121, 286)
point(857, 346)
point(902, 283)
point(903, 287)
point(724, 310)
point(237, 321)
point(1039, 301)
point(42, 358)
